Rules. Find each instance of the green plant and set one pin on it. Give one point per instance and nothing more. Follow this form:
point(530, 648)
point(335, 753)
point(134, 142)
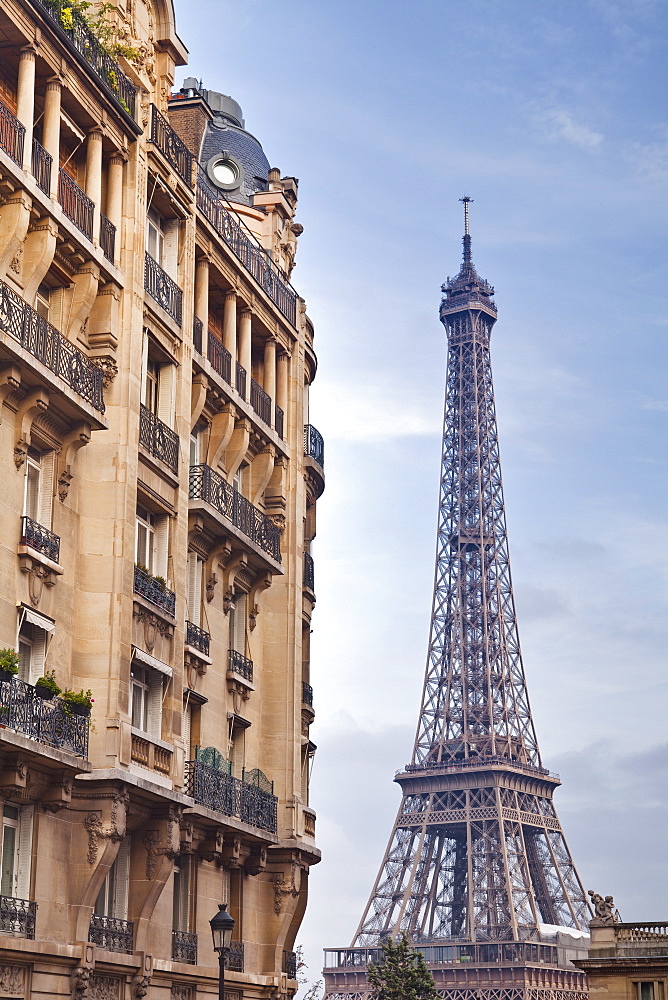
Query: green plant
point(9, 660)
point(143, 568)
point(161, 582)
point(48, 681)
point(78, 697)
point(402, 974)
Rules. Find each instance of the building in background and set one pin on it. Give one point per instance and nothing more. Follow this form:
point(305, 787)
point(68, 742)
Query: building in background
point(625, 961)
point(158, 490)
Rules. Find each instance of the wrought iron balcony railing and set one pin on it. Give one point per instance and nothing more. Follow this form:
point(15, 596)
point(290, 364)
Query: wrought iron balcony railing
point(107, 237)
point(50, 722)
point(197, 334)
point(163, 289)
point(207, 485)
point(250, 799)
point(234, 960)
point(49, 346)
point(220, 358)
point(184, 947)
point(158, 439)
point(154, 591)
point(17, 917)
point(255, 258)
point(111, 933)
point(314, 446)
point(260, 402)
point(309, 572)
point(12, 134)
point(171, 145)
point(40, 538)
point(279, 419)
point(307, 694)
point(240, 380)
point(76, 204)
point(290, 964)
point(70, 23)
point(41, 167)
point(197, 638)
point(240, 664)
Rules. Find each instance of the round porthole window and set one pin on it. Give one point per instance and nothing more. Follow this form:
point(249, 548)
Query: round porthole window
point(225, 171)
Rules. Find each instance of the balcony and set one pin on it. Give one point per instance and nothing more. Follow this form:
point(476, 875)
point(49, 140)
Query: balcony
point(41, 167)
point(290, 964)
point(76, 204)
point(240, 380)
point(307, 694)
point(12, 135)
point(279, 420)
point(79, 36)
point(45, 343)
point(184, 947)
point(234, 960)
point(111, 933)
point(17, 917)
point(237, 663)
point(171, 146)
point(40, 539)
point(309, 572)
point(107, 237)
point(197, 638)
point(49, 722)
point(207, 485)
point(150, 753)
point(314, 446)
point(250, 799)
point(197, 334)
point(220, 358)
point(154, 591)
point(163, 289)
point(260, 402)
point(158, 439)
point(254, 258)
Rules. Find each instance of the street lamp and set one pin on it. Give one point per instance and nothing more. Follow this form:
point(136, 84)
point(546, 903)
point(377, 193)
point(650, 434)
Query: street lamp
point(222, 925)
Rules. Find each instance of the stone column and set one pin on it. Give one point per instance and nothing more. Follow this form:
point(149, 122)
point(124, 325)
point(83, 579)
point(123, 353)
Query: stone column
point(245, 347)
point(202, 301)
point(115, 198)
point(230, 328)
point(270, 373)
point(282, 373)
point(25, 101)
point(51, 129)
point(94, 177)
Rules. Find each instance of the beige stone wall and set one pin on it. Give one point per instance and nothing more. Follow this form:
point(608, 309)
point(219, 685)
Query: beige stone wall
point(117, 814)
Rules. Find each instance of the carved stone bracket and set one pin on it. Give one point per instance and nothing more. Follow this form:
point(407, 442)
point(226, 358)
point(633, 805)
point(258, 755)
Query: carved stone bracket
point(32, 406)
point(114, 829)
point(76, 439)
point(41, 573)
point(283, 887)
point(154, 625)
point(10, 382)
point(163, 842)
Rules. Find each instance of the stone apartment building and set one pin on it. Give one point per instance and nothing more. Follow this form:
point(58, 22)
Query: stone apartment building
point(157, 507)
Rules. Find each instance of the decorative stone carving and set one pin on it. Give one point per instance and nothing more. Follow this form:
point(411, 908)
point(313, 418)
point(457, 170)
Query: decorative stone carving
point(211, 590)
point(171, 828)
point(114, 830)
point(140, 987)
point(284, 888)
point(80, 980)
point(109, 369)
point(154, 625)
point(104, 988)
point(17, 261)
point(184, 992)
point(252, 617)
point(12, 980)
point(605, 911)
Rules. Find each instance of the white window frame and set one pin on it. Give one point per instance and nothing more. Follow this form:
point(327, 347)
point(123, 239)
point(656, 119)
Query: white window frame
point(33, 475)
point(147, 687)
point(112, 899)
point(22, 824)
point(155, 235)
point(238, 619)
point(195, 572)
point(145, 542)
point(183, 918)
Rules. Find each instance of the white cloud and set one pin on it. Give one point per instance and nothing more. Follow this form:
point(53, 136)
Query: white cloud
point(365, 412)
point(562, 125)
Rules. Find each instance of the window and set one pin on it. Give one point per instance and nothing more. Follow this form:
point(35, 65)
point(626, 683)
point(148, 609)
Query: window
point(237, 618)
point(43, 301)
point(16, 850)
point(649, 991)
point(32, 651)
point(155, 236)
point(238, 479)
point(158, 382)
point(38, 487)
point(112, 899)
point(183, 917)
point(197, 452)
point(237, 753)
point(194, 587)
point(145, 543)
point(146, 699)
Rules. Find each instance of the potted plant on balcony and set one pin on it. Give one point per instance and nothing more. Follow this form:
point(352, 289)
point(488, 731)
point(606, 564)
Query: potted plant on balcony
point(78, 702)
point(46, 687)
point(9, 664)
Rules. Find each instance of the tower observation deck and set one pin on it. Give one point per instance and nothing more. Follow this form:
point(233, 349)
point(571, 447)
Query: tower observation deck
point(477, 871)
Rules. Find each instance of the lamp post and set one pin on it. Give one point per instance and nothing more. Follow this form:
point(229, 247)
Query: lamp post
point(222, 925)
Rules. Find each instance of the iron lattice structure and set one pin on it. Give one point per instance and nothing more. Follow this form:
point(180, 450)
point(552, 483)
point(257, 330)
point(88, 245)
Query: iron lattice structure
point(477, 858)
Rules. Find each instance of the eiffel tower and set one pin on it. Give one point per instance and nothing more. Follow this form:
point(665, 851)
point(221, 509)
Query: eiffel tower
point(477, 872)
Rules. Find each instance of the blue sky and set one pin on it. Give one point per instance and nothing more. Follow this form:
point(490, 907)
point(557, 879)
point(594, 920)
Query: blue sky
point(552, 117)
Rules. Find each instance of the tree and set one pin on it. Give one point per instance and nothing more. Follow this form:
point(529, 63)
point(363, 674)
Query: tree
point(402, 974)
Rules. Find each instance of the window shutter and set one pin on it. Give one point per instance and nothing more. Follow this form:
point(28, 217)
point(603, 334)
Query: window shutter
point(187, 728)
point(225, 888)
point(37, 654)
point(155, 704)
point(24, 852)
point(166, 386)
point(194, 581)
point(161, 539)
point(122, 879)
point(305, 763)
point(46, 489)
point(144, 366)
point(32, 494)
point(238, 752)
point(170, 247)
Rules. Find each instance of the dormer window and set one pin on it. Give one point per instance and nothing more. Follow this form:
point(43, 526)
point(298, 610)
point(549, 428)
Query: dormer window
point(225, 171)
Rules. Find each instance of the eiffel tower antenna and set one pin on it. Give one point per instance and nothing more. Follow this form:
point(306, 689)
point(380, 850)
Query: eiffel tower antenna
point(477, 872)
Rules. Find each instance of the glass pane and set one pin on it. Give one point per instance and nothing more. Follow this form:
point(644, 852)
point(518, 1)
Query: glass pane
point(646, 991)
point(32, 491)
point(7, 868)
point(137, 705)
point(142, 539)
point(25, 652)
